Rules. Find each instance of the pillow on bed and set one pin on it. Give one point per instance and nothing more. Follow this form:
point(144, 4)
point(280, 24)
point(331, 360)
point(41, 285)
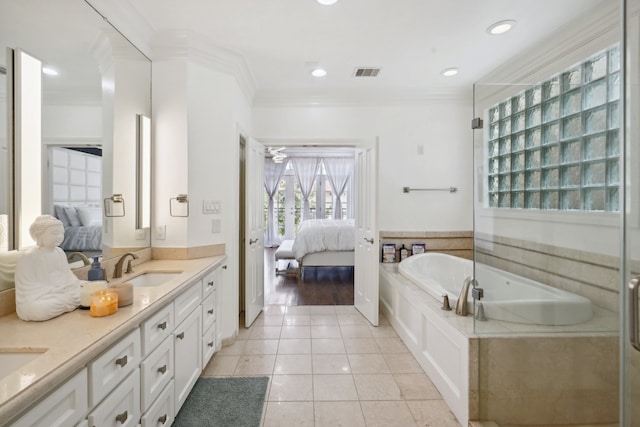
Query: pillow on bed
point(89, 215)
point(72, 215)
point(58, 211)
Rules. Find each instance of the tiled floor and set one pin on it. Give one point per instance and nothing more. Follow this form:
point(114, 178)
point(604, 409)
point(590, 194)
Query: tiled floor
point(329, 367)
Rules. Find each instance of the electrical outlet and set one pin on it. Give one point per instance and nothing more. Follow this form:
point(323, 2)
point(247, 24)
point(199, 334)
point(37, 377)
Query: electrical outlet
point(161, 232)
point(216, 226)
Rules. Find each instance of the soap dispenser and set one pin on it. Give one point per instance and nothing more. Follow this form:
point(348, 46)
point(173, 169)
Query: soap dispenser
point(96, 272)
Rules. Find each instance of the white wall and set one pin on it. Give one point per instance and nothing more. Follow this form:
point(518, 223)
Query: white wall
point(441, 127)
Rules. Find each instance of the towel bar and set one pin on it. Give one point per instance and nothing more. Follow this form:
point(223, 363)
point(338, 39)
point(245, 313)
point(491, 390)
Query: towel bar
point(449, 189)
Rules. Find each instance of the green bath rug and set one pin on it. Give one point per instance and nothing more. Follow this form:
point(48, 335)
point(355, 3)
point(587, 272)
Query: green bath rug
point(224, 402)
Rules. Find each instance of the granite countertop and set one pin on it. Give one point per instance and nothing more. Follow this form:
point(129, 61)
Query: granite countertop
point(73, 339)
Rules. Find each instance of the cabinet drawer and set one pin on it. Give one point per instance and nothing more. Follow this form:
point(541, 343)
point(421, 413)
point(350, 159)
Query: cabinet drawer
point(210, 282)
point(106, 371)
point(120, 408)
point(161, 413)
point(66, 406)
point(156, 371)
point(209, 344)
point(188, 301)
point(209, 311)
point(156, 329)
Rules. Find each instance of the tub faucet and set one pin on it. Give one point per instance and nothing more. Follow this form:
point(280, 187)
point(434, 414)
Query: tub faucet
point(461, 304)
point(117, 271)
point(80, 255)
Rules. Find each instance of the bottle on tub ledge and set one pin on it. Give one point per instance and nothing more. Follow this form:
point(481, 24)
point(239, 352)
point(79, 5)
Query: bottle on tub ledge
point(404, 253)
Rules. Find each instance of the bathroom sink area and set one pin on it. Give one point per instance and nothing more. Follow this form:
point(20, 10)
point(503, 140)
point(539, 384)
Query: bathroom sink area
point(155, 278)
point(12, 359)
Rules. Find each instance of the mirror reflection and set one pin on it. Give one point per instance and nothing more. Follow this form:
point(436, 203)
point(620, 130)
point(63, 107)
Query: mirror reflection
point(95, 84)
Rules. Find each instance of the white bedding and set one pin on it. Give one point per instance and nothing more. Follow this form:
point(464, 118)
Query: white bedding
point(318, 235)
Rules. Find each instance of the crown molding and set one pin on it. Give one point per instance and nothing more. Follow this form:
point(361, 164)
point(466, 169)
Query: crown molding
point(188, 45)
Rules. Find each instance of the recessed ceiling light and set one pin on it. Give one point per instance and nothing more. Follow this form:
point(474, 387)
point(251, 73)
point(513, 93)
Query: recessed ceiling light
point(318, 72)
point(49, 71)
point(449, 72)
point(327, 2)
point(501, 27)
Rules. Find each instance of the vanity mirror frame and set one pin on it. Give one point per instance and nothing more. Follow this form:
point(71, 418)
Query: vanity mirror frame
point(115, 57)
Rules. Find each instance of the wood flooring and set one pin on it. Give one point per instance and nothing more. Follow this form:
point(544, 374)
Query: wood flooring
point(317, 286)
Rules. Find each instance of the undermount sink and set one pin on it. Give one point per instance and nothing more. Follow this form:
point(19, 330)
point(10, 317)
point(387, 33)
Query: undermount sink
point(12, 359)
point(153, 278)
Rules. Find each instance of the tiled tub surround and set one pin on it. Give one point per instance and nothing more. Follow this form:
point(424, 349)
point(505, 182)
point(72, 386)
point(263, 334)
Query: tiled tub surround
point(458, 243)
point(74, 339)
point(567, 375)
point(591, 275)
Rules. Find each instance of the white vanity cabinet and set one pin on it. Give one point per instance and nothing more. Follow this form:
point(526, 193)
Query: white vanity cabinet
point(156, 371)
point(211, 286)
point(66, 406)
point(121, 407)
point(157, 328)
point(162, 412)
point(188, 355)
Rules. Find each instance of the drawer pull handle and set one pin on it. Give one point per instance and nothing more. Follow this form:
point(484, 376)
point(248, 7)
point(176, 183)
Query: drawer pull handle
point(224, 267)
point(210, 284)
point(180, 335)
point(210, 311)
point(121, 418)
point(162, 325)
point(122, 361)
point(162, 369)
point(210, 344)
point(162, 419)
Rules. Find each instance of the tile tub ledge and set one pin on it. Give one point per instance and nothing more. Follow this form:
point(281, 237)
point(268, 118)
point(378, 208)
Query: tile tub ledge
point(74, 339)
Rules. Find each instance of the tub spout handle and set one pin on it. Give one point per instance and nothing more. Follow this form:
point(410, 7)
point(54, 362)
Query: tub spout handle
point(445, 303)
point(480, 312)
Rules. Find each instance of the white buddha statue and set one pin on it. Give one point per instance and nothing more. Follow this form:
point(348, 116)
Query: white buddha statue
point(45, 285)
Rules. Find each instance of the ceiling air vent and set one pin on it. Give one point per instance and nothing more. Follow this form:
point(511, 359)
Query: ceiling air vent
point(366, 72)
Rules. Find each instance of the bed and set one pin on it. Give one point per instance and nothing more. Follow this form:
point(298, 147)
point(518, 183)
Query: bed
point(324, 243)
point(82, 227)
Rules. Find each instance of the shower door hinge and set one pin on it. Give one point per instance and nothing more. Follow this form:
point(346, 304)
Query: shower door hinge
point(476, 123)
point(477, 293)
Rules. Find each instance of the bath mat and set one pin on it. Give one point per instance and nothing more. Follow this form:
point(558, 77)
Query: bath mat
point(224, 402)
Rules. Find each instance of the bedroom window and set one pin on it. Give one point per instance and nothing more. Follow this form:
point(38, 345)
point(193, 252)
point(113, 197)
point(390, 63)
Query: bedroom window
point(555, 146)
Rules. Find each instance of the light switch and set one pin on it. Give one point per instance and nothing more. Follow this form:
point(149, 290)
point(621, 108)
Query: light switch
point(161, 232)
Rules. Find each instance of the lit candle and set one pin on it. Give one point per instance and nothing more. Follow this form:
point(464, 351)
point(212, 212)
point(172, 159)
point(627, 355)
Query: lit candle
point(103, 303)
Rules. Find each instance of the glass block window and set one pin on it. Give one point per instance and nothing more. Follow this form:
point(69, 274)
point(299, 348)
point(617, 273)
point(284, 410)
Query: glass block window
point(555, 145)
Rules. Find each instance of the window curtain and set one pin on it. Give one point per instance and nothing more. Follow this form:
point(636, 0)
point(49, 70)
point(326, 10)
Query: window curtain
point(272, 174)
point(339, 171)
point(306, 170)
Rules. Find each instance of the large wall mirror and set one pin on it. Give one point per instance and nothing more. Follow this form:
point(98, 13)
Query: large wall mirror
point(95, 87)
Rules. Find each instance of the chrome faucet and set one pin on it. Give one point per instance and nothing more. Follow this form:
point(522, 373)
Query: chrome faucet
point(461, 304)
point(80, 255)
point(117, 271)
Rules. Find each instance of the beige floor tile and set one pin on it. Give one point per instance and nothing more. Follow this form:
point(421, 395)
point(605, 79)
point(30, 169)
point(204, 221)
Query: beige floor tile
point(402, 363)
point(290, 388)
point(297, 320)
point(265, 332)
point(270, 320)
point(387, 414)
point(432, 413)
point(383, 331)
point(330, 364)
point(293, 364)
point(322, 309)
point(382, 321)
point(273, 310)
point(355, 331)
point(255, 365)
point(297, 309)
point(221, 366)
point(325, 331)
point(294, 414)
point(361, 345)
point(391, 345)
point(261, 347)
point(368, 364)
point(334, 387)
point(352, 319)
point(243, 333)
point(234, 349)
point(416, 387)
point(295, 346)
point(323, 319)
point(332, 414)
point(346, 309)
point(327, 346)
point(377, 387)
point(296, 331)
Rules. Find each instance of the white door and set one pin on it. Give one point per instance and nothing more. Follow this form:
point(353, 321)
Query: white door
point(366, 246)
point(254, 226)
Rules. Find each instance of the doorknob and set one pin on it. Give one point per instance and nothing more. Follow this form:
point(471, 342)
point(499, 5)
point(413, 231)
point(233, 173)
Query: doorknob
point(633, 312)
point(369, 240)
point(252, 241)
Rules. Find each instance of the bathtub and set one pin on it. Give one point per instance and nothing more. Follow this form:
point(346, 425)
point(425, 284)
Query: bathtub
point(507, 297)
